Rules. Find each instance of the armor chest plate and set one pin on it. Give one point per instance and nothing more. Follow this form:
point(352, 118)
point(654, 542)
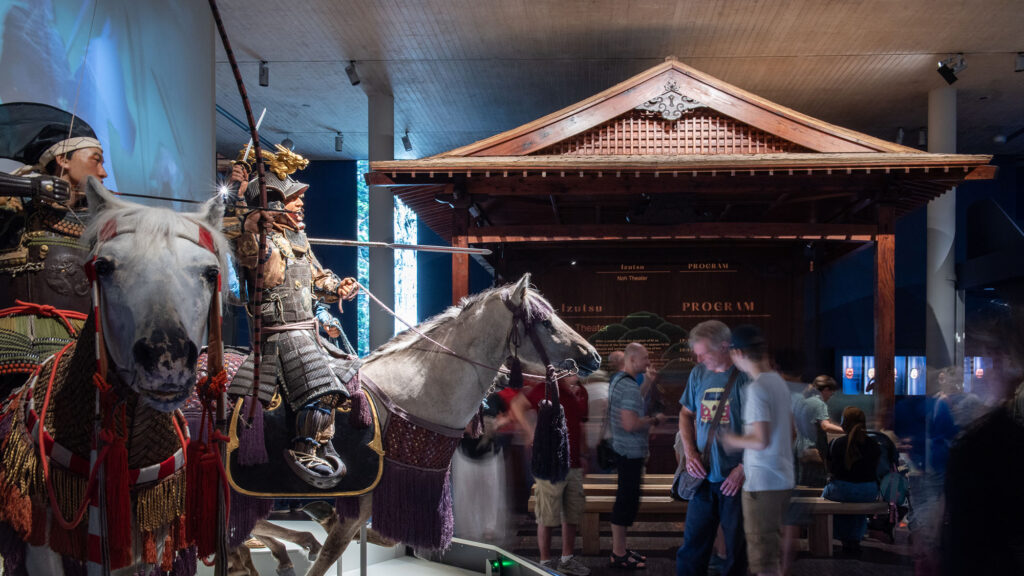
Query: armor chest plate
point(291, 300)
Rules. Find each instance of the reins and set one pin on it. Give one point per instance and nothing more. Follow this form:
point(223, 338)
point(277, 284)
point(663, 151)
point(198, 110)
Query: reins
point(513, 335)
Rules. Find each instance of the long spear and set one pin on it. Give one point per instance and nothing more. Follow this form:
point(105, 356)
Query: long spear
point(257, 296)
point(392, 246)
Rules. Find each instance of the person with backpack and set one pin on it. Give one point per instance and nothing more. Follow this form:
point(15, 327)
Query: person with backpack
point(853, 462)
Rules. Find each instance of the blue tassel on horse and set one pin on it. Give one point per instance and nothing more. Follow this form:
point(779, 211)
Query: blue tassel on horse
point(551, 438)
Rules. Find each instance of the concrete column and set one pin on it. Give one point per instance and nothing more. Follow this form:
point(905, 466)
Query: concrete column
point(382, 218)
point(942, 330)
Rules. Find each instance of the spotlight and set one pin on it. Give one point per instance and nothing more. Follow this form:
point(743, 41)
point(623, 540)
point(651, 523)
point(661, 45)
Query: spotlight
point(1018, 63)
point(339, 142)
point(899, 135)
point(407, 142)
point(949, 67)
point(287, 143)
point(353, 76)
point(264, 73)
point(573, 263)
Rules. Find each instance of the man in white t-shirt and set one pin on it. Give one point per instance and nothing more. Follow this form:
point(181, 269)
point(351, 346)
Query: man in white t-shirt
point(767, 450)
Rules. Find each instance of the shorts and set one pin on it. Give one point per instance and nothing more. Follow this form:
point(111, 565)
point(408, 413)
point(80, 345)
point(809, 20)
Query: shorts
point(560, 502)
point(762, 520)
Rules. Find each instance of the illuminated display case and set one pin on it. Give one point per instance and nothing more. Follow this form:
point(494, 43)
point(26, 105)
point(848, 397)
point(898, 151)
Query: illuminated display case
point(859, 370)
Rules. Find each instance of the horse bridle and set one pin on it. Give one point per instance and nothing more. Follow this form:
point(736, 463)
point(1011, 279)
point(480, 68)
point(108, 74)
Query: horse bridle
point(202, 238)
point(521, 315)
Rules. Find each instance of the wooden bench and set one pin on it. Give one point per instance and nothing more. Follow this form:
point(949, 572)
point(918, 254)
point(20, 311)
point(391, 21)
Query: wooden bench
point(590, 529)
point(819, 531)
point(656, 504)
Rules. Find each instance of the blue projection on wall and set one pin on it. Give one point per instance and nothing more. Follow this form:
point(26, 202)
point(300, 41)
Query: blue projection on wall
point(140, 73)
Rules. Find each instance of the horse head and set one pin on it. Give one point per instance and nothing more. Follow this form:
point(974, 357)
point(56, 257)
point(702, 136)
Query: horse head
point(551, 338)
point(156, 272)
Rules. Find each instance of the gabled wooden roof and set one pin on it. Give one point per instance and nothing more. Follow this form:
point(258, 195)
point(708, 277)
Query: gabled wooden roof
point(671, 146)
point(677, 88)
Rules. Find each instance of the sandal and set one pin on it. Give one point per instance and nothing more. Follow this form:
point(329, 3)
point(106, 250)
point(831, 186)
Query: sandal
point(626, 561)
point(639, 557)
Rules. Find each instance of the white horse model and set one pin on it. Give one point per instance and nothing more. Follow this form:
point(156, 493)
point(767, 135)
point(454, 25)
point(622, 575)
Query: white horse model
point(156, 272)
point(431, 394)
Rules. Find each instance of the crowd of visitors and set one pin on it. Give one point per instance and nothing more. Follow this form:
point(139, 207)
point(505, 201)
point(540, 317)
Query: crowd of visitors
point(750, 431)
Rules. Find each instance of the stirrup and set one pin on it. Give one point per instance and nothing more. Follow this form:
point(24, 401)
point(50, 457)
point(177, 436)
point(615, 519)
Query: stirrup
point(299, 462)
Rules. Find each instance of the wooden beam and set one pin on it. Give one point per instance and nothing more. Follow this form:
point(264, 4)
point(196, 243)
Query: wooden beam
point(885, 317)
point(460, 271)
point(460, 262)
point(695, 230)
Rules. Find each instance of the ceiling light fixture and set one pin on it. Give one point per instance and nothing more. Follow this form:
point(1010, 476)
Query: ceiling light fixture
point(1003, 138)
point(949, 67)
point(264, 73)
point(406, 142)
point(353, 76)
point(287, 143)
point(339, 142)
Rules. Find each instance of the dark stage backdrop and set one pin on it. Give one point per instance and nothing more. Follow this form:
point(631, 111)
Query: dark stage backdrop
point(655, 294)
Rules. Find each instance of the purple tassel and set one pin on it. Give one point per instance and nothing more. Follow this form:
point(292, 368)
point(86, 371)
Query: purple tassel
point(252, 449)
point(359, 417)
point(185, 562)
point(246, 511)
point(414, 506)
point(515, 372)
point(12, 549)
point(551, 439)
point(348, 506)
point(6, 423)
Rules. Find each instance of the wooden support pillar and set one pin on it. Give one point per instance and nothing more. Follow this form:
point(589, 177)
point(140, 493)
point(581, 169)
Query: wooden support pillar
point(460, 271)
point(460, 262)
point(885, 317)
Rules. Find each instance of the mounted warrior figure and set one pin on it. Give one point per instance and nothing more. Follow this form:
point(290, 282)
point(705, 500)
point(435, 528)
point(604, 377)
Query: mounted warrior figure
point(312, 374)
point(42, 217)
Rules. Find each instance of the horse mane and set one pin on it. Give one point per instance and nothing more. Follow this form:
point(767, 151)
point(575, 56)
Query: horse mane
point(155, 228)
point(537, 308)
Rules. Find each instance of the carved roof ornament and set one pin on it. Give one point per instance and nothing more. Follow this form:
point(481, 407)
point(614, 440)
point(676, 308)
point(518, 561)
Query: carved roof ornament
point(671, 105)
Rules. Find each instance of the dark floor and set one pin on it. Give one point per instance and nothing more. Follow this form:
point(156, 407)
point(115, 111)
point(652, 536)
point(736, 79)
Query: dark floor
point(659, 540)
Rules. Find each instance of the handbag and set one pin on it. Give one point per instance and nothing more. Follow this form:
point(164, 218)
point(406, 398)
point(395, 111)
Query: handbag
point(685, 485)
point(607, 457)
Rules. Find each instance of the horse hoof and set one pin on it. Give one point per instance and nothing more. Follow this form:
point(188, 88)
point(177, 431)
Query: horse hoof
point(313, 551)
point(289, 571)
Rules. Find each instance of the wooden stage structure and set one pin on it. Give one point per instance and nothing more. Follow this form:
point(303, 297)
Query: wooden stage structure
point(673, 154)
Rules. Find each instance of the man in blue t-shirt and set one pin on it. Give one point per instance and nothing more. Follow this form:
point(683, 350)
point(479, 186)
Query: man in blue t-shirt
point(718, 499)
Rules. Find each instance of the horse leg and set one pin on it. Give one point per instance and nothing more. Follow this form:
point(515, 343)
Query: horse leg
point(280, 553)
point(265, 528)
point(240, 562)
point(339, 536)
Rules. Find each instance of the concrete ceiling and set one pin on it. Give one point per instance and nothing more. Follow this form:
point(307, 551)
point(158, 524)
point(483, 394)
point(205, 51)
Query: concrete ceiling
point(463, 70)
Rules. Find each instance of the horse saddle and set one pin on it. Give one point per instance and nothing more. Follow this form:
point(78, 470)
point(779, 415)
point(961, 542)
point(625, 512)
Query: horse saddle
point(361, 449)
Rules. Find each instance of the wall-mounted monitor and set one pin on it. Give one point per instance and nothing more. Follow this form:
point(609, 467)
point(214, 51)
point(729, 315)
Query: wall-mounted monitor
point(852, 376)
point(859, 370)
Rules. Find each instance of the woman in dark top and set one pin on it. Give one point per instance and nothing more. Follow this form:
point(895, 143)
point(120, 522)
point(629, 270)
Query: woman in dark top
point(853, 462)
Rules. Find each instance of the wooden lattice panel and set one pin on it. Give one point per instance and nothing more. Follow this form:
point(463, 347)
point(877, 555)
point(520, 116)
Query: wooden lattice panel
point(702, 132)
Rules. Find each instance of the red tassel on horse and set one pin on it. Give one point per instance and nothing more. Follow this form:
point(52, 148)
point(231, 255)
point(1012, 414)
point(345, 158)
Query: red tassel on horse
point(202, 483)
point(119, 504)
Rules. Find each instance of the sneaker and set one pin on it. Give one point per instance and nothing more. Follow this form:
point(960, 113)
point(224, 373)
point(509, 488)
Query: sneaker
point(550, 564)
point(573, 567)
